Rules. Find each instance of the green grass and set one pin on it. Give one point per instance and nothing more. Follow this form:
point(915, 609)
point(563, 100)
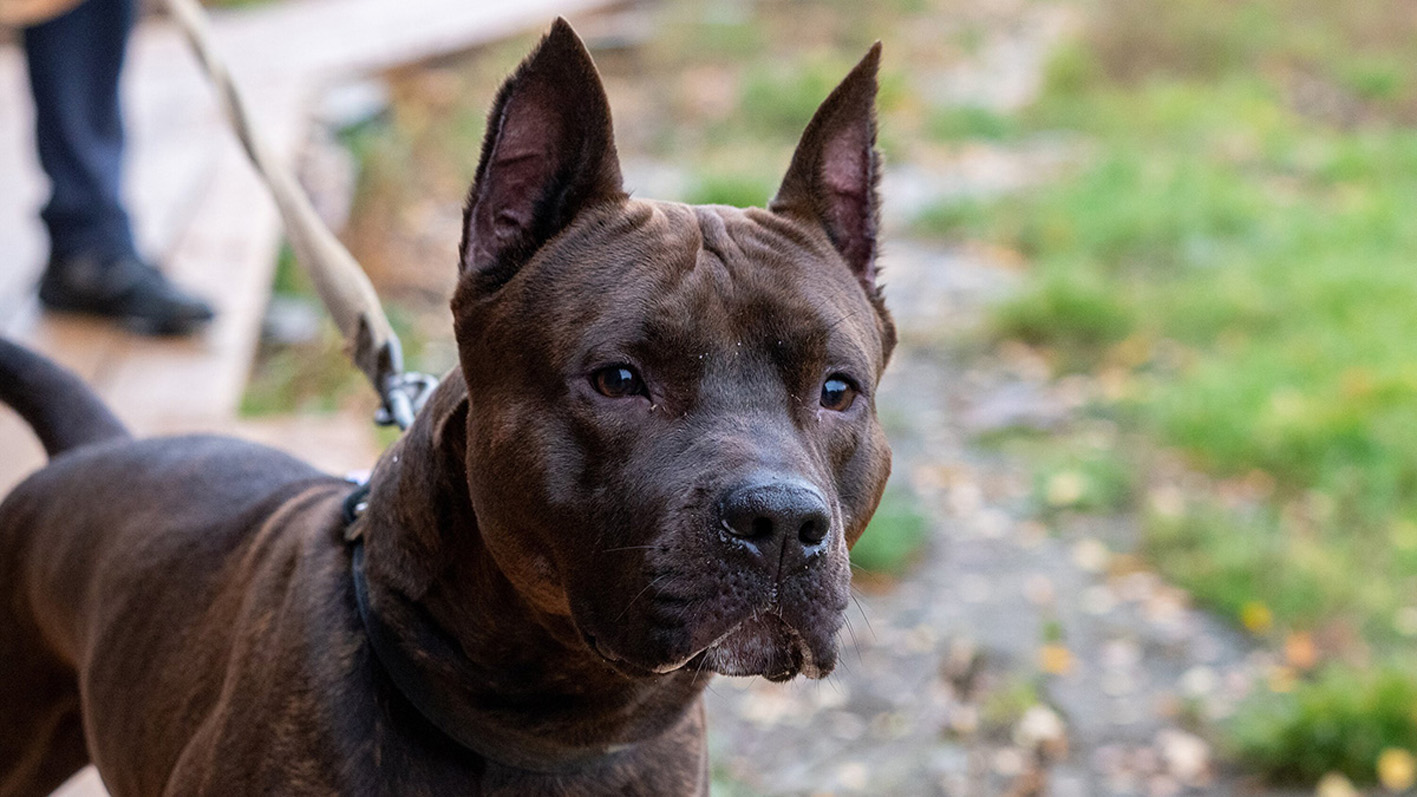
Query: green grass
point(1262, 264)
point(895, 536)
point(1005, 704)
point(777, 99)
point(1072, 311)
point(1231, 559)
point(965, 122)
point(1341, 721)
point(727, 188)
point(1082, 481)
point(311, 378)
point(1242, 255)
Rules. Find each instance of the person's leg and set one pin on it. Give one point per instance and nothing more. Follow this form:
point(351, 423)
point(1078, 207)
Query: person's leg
point(74, 65)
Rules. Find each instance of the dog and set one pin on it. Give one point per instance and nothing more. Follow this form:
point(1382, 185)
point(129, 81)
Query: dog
point(648, 466)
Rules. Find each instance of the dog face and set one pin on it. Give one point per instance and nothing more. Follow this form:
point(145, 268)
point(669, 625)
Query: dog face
point(671, 435)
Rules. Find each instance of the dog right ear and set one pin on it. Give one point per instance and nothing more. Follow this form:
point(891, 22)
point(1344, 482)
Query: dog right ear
point(549, 152)
point(835, 169)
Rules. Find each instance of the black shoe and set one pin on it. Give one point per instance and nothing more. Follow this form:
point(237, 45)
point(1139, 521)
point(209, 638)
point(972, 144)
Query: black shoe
point(124, 288)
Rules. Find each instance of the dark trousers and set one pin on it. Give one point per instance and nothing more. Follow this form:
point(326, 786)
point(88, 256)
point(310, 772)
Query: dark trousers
point(74, 63)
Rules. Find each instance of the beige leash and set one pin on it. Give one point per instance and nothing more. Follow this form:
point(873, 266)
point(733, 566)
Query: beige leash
point(342, 285)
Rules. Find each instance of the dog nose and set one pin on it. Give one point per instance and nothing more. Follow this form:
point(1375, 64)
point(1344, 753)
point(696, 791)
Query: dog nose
point(781, 518)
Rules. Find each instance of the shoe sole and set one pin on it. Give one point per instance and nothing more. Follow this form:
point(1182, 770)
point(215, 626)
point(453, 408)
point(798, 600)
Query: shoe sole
point(141, 325)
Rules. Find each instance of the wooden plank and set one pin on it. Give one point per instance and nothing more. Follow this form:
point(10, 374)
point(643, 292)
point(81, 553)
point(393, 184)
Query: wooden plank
point(20, 453)
point(21, 236)
point(320, 38)
point(228, 253)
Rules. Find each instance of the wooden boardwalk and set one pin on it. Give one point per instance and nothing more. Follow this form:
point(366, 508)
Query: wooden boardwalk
point(200, 210)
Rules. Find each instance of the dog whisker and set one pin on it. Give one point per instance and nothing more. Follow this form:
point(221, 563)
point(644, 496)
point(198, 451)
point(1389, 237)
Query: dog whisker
point(703, 663)
point(862, 609)
point(641, 594)
point(851, 632)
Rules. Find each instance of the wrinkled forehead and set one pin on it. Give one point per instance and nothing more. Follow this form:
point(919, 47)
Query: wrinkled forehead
point(687, 277)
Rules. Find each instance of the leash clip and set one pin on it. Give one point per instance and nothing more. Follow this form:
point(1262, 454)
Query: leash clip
point(404, 394)
point(352, 509)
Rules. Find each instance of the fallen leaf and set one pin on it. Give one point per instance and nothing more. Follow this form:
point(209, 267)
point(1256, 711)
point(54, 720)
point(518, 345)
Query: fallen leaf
point(1055, 659)
point(1066, 488)
point(1256, 617)
point(1300, 651)
point(1397, 769)
point(1334, 784)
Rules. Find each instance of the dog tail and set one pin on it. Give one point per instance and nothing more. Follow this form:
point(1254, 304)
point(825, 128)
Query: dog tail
point(63, 411)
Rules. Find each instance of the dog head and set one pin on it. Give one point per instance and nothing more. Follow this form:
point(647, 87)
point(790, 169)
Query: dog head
point(672, 436)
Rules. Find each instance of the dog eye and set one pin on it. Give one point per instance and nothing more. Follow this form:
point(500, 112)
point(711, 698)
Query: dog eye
point(838, 393)
point(618, 381)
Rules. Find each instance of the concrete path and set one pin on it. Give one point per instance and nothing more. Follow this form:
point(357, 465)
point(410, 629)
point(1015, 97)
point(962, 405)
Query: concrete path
point(200, 210)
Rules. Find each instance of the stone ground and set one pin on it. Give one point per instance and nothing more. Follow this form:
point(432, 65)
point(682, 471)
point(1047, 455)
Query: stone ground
point(936, 690)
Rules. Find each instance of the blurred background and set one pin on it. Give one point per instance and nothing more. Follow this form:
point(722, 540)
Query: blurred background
point(1153, 524)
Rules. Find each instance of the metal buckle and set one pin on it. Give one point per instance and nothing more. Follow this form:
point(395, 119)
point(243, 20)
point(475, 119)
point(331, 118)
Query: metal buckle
point(404, 395)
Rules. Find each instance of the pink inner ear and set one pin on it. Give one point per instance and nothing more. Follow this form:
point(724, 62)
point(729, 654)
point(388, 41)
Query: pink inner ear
point(521, 166)
point(548, 153)
point(846, 176)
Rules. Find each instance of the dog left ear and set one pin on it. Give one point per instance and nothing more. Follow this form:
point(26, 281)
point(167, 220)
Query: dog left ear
point(835, 170)
point(549, 152)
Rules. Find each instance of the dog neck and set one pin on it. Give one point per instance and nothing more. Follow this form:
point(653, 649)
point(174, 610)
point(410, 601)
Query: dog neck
point(513, 683)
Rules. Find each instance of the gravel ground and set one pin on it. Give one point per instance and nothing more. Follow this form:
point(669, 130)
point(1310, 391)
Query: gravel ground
point(1014, 658)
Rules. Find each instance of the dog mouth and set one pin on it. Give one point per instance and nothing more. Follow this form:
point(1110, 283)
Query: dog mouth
point(769, 646)
point(763, 644)
point(632, 669)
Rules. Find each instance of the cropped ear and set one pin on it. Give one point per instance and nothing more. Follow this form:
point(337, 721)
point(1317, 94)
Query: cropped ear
point(835, 170)
point(549, 153)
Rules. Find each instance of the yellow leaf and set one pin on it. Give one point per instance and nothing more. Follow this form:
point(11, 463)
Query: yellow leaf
point(1397, 769)
point(1300, 651)
point(1055, 659)
point(1404, 535)
point(1335, 784)
point(1256, 617)
point(1066, 488)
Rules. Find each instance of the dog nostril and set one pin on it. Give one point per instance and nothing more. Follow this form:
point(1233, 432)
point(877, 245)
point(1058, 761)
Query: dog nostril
point(812, 532)
point(768, 516)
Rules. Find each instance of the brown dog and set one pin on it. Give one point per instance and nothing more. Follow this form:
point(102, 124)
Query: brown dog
point(659, 445)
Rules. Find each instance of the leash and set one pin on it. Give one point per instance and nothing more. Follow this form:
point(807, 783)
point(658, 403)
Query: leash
point(344, 289)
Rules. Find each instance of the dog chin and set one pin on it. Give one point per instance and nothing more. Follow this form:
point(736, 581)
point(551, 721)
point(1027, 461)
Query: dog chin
point(766, 645)
point(763, 645)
